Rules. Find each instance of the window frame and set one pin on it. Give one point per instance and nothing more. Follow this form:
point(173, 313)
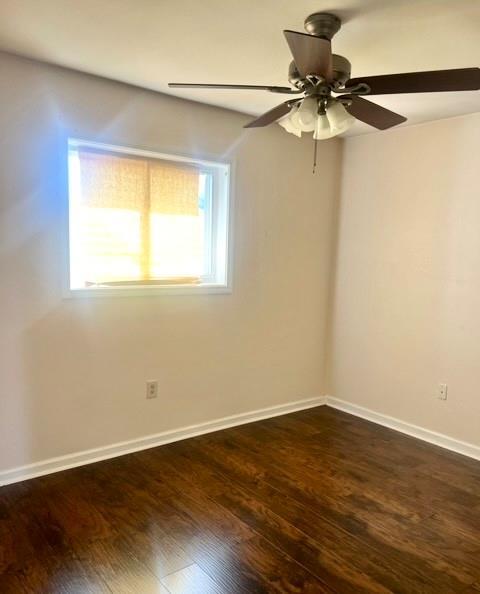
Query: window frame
point(220, 227)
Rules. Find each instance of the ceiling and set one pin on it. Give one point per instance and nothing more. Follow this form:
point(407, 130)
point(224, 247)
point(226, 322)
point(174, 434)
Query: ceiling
point(151, 42)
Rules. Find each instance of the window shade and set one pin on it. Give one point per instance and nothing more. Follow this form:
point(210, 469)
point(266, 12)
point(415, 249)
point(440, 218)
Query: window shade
point(113, 182)
point(122, 199)
point(173, 188)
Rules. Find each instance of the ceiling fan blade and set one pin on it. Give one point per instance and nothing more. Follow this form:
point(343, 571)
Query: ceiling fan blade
point(270, 116)
point(372, 114)
point(461, 79)
point(311, 54)
point(270, 88)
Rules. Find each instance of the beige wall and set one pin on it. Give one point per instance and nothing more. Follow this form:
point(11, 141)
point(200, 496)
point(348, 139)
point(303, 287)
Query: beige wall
point(73, 372)
point(406, 304)
point(403, 281)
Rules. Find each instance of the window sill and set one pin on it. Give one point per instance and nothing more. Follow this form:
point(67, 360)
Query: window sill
point(148, 291)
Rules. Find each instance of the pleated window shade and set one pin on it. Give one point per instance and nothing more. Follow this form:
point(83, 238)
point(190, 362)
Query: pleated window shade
point(135, 213)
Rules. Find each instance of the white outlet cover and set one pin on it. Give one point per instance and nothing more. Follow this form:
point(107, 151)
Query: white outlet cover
point(442, 391)
point(152, 389)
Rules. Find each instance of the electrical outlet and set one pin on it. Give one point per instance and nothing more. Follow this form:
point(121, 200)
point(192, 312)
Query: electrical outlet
point(442, 391)
point(152, 389)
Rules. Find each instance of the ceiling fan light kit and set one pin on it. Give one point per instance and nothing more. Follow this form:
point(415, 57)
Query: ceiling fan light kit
point(324, 119)
point(328, 101)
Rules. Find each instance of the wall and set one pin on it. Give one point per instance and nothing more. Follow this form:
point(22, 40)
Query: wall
point(406, 304)
point(73, 372)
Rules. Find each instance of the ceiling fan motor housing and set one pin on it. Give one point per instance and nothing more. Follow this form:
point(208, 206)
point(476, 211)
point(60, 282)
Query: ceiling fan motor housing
point(341, 72)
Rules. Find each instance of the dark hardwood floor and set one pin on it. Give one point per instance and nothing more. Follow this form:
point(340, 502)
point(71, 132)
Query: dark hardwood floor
point(316, 501)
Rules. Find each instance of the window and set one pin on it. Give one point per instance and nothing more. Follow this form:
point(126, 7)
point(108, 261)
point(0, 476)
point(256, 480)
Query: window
point(141, 222)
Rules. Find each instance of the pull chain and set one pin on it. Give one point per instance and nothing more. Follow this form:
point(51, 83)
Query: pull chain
point(315, 142)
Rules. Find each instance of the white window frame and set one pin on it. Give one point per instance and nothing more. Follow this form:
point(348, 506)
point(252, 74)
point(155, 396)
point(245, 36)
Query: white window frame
point(219, 228)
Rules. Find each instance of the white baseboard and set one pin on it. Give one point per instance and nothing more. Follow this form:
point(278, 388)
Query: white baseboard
point(59, 463)
point(51, 465)
point(449, 443)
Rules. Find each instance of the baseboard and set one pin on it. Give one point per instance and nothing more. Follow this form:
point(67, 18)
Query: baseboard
point(449, 443)
point(51, 465)
point(57, 464)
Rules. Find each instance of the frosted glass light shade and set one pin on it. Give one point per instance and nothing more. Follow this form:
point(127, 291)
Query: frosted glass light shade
point(322, 128)
point(339, 118)
point(306, 115)
point(288, 124)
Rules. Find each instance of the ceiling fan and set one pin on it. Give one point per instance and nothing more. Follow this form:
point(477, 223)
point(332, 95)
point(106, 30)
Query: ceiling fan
point(328, 101)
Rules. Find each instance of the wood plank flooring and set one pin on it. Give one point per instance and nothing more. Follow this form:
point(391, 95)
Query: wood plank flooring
point(316, 502)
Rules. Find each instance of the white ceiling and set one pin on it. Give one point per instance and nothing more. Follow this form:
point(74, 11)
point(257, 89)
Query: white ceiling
point(151, 42)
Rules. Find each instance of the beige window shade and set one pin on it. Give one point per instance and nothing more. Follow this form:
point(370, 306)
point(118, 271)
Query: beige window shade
point(173, 188)
point(113, 182)
point(119, 197)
